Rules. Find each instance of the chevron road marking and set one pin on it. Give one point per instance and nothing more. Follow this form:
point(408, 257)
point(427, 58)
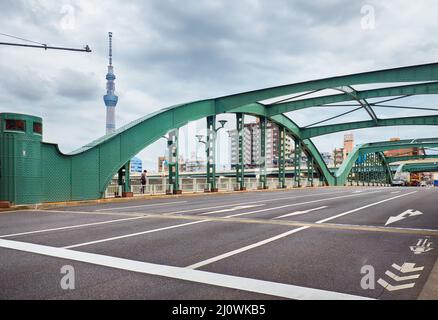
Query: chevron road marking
point(398, 278)
point(389, 287)
point(405, 268)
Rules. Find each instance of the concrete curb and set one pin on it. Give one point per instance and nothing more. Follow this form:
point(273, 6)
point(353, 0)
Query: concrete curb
point(430, 289)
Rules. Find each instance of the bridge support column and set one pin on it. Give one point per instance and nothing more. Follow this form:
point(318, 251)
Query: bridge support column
point(211, 154)
point(123, 181)
point(368, 169)
point(356, 173)
point(297, 164)
point(309, 170)
point(281, 157)
point(374, 172)
point(362, 169)
point(240, 166)
point(262, 161)
point(172, 147)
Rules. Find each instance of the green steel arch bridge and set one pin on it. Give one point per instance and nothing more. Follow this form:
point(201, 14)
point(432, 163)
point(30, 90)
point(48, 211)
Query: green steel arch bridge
point(33, 171)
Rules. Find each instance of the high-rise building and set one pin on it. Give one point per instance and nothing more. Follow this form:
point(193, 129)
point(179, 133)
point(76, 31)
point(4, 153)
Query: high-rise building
point(348, 144)
point(251, 145)
point(340, 154)
point(110, 98)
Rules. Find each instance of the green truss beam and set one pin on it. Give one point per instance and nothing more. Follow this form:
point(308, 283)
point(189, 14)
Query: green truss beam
point(409, 158)
point(415, 89)
point(308, 133)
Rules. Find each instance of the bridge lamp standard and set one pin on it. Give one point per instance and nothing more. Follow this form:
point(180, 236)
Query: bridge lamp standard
point(210, 146)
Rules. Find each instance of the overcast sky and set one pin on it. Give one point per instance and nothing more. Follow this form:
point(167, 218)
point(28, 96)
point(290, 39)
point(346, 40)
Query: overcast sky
point(169, 52)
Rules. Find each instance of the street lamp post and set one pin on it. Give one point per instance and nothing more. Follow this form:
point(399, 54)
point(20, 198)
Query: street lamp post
point(210, 150)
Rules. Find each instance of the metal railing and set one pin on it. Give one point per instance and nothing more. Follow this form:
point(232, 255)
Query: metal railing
point(160, 186)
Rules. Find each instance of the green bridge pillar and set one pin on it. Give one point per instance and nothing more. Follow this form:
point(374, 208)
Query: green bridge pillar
point(211, 154)
point(172, 145)
point(281, 157)
point(297, 164)
point(262, 162)
point(21, 167)
point(240, 166)
point(310, 170)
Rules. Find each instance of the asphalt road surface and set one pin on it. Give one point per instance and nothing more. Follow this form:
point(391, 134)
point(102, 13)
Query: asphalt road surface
point(326, 243)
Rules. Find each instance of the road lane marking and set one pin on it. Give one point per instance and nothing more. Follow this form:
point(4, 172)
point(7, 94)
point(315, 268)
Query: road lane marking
point(299, 203)
point(232, 209)
point(404, 278)
point(389, 287)
point(144, 205)
point(246, 248)
point(70, 227)
point(257, 201)
point(133, 234)
point(365, 207)
point(423, 246)
point(285, 234)
point(407, 267)
point(215, 279)
point(300, 212)
point(408, 213)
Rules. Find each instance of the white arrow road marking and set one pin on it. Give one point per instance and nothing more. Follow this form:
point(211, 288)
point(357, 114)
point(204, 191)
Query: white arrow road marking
point(232, 209)
point(404, 215)
point(407, 267)
point(389, 287)
point(300, 212)
point(422, 246)
point(398, 278)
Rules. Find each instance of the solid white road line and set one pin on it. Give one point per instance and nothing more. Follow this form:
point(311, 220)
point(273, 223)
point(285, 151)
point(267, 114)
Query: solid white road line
point(215, 279)
point(246, 248)
point(300, 212)
point(263, 242)
point(232, 209)
point(70, 227)
point(134, 234)
point(144, 205)
point(300, 203)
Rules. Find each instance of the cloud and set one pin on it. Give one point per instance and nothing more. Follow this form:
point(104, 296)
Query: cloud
point(77, 85)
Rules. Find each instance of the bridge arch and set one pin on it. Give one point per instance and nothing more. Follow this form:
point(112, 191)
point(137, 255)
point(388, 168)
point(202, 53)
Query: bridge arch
point(85, 173)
